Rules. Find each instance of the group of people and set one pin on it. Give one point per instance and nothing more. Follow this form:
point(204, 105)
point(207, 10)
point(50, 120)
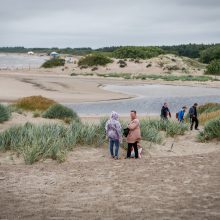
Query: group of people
point(193, 115)
point(113, 130)
point(114, 133)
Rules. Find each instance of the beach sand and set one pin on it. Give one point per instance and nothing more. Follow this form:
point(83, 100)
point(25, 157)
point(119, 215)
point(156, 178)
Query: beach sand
point(179, 179)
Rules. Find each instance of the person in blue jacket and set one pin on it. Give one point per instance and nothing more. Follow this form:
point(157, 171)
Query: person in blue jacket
point(181, 114)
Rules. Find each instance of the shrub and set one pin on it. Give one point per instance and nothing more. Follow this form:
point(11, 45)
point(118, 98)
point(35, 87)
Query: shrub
point(34, 103)
point(213, 68)
point(211, 130)
point(212, 53)
point(59, 111)
point(122, 63)
point(53, 63)
point(94, 60)
point(134, 52)
point(4, 113)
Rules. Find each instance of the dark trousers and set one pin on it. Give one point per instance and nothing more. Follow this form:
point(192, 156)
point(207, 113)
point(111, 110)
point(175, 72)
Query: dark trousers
point(192, 121)
point(134, 145)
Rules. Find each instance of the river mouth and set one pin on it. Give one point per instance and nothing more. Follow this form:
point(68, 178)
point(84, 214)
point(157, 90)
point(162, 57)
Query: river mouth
point(148, 99)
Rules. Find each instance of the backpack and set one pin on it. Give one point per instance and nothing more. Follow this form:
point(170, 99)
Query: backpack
point(177, 114)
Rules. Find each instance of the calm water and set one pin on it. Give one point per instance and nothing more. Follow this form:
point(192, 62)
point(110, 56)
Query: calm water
point(13, 61)
point(149, 99)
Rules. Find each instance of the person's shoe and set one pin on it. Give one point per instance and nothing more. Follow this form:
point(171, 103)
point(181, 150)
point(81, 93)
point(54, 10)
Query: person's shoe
point(197, 129)
point(116, 158)
point(113, 156)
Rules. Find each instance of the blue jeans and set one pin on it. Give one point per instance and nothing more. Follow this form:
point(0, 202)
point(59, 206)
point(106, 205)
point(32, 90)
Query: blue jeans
point(111, 146)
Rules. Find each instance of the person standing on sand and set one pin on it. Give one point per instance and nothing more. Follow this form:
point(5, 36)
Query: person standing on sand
point(194, 117)
point(134, 135)
point(165, 112)
point(113, 132)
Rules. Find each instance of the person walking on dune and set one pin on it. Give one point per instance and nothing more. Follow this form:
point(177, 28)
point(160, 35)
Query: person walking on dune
point(114, 134)
point(134, 135)
point(194, 117)
point(181, 113)
point(165, 112)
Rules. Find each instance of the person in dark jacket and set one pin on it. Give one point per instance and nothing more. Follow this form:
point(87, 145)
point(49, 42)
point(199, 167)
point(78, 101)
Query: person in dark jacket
point(165, 112)
point(194, 117)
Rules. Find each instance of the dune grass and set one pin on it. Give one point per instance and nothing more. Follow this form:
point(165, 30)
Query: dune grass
point(36, 142)
point(4, 113)
point(208, 111)
point(33, 103)
point(211, 130)
point(166, 77)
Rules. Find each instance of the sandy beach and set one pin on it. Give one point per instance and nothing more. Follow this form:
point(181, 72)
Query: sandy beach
point(177, 179)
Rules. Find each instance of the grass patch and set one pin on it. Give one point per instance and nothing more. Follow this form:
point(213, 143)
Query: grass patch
point(94, 60)
point(151, 129)
point(4, 113)
point(53, 63)
point(58, 111)
point(36, 142)
point(33, 103)
point(152, 77)
point(208, 111)
point(211, 130)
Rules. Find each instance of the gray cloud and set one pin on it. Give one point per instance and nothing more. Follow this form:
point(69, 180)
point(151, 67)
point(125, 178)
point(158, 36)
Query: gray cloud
point(97, 23)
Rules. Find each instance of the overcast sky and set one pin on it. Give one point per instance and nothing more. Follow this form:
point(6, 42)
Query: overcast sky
point(99, 23)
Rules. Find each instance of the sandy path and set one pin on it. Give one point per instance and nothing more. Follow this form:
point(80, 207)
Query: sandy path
point(89, 185)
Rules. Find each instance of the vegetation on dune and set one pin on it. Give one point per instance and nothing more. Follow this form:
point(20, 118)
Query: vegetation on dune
point(53, 63)
point(151, 129)
point(4, 113)
point(208, 112)
point(94, 60)
point(213, 68)
point(137, 52)
point(150, 76)
point(36, 142)
point(210, 54)
point(58, 111)
point(211, 130)
point(33, 103)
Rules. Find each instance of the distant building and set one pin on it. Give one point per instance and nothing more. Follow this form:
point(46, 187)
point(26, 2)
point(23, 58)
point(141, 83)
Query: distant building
point(30, 53)
point(54, 54)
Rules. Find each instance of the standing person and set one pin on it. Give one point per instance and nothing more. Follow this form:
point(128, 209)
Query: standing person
point(165, 112)
point(181, 114)
point(113, 131)
point(134, 135)
point(193, 116)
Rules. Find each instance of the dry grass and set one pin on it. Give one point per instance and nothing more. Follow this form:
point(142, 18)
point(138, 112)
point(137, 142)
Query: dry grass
point(206, 116)
point(33, 103)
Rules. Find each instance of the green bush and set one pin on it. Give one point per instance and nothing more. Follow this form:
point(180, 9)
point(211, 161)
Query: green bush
point(137, 52)
point(94, 60)
point(4, 113)
point(53, 63)
point(211, 130)
point(212, 53)
point(60, 112)
point(213, 68)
